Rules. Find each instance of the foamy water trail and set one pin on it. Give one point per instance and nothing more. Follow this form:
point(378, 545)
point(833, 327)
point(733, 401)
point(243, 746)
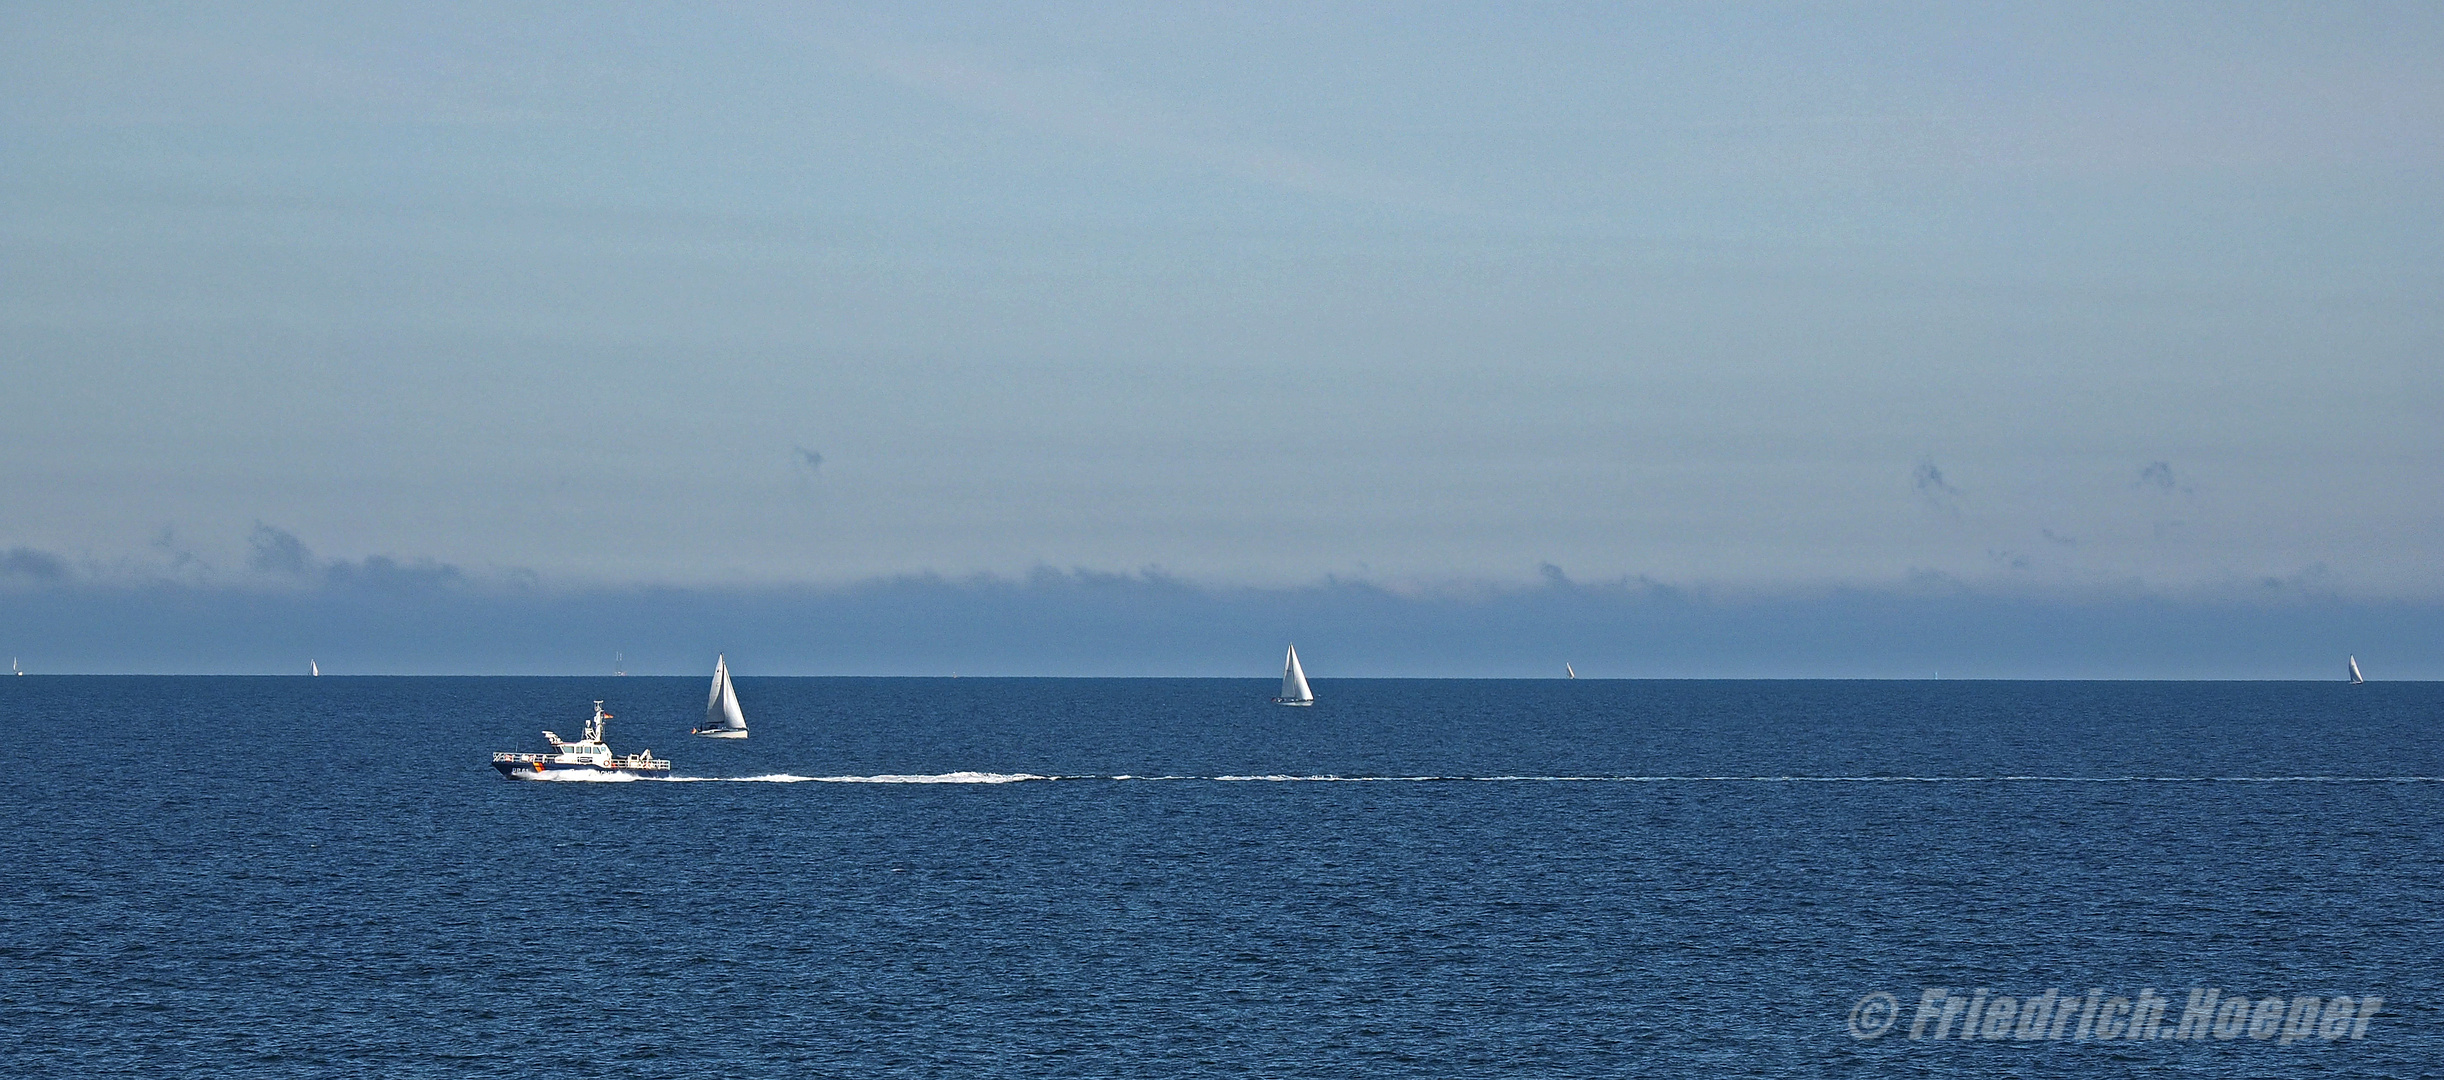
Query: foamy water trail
point(969, 777)
point(1670, 779)
point(886, 778)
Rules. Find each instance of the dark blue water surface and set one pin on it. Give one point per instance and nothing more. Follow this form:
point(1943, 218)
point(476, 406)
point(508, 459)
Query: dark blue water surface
point(302, 877)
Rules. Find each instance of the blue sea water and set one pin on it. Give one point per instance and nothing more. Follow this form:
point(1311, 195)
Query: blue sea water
point(323, 877)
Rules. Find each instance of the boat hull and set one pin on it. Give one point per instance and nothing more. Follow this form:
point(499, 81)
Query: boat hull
point(1291, 701)
point(719, 734)
point(545, 770)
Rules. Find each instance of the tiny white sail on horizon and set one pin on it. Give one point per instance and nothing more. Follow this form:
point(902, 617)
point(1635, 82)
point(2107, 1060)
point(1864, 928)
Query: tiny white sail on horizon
point(1294, 682)
point(313, 668)
point(722, 718)
point(2356, 678)
point(1570, 671)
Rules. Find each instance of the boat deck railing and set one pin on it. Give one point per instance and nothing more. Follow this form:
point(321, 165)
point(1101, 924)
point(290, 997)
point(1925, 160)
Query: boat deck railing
point(632, 761)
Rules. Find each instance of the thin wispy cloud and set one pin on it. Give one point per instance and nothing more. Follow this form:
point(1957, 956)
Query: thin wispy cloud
point(2158, 477)
point(1089, 107)
point(2008, 559)
point(1933, 490)
point(181, 559)
point(806, 460)
point(278, 551)
point(33, 564)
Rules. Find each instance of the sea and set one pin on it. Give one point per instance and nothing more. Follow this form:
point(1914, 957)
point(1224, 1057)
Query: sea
point(983, 877)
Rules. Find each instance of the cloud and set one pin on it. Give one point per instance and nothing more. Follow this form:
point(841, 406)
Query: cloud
point(2158, 477)
point(1090, 108)
point(385, 616)
point(27, 562)
point(2065, 541)
point(278, 551)
point(806, 459)
point(166, 542)
point(2313, 578)
point(1934, 489)
point(385, 574)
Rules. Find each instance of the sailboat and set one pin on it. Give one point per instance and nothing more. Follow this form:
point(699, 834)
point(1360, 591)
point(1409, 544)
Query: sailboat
point(313, 668)
point(722, 720)
point(1294, 683)
point(2356, 677)
point(12, 666)
point(1569, 671)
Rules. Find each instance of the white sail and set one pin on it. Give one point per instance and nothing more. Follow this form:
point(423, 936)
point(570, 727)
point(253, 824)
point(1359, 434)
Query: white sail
point(2356, 678)
point(313, 667)
point(1570, 671)
point(721, 709)
point(1294, 681)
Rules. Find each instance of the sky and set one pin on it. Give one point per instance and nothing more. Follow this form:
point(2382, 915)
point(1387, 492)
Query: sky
point(2042, 312)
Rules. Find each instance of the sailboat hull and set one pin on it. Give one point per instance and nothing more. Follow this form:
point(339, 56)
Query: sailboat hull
point(1292, 701)
point(719, 734)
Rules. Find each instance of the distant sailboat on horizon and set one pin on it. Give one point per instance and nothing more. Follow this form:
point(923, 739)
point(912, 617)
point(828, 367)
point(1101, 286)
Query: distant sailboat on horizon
point(1294, 682)
point(313, 669)
point(2356, 677)
point(12, 666)
point(722, 720)
point(1569, 671)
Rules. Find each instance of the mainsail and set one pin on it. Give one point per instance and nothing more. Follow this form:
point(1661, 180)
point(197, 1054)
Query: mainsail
point(1294, 680)
point(721, 710)
point(2356, 678)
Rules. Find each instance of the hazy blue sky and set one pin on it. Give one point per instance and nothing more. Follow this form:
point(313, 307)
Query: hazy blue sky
point(2053, 300)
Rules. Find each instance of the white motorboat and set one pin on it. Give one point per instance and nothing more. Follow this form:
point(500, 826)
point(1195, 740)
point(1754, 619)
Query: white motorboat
point(585, 755)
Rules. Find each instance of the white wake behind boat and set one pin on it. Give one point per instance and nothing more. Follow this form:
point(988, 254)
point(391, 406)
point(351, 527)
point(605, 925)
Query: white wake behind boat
point(1294, 683)
point(722, 720)
point(2356, 677)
